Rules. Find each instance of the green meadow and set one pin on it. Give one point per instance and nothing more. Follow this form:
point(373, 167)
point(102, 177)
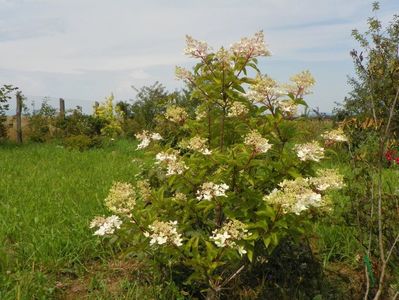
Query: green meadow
point(48, 195)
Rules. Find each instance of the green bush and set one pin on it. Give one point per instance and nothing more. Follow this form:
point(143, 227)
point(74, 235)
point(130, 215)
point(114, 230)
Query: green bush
point(41, 123)
point(83, 142)
point(77, 123)
point(229, 183)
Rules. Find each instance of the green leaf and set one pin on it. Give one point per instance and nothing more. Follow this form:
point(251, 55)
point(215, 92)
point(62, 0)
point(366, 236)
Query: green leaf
point(250, 254)
point(266, 241)
point(294, 173)
point(238, 88)
point(254, 236)
point(274, 238)
point(254, 66)
point(262, 224)
point(247, 80)
point(211, 250)
point(266, 212)
point(301, 102)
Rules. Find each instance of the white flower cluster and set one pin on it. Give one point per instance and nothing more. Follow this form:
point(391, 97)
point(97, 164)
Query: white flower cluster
point(198, 144)
point(195, 48)
point(251, 47)
point(200, 114)
point(174, 165)
point(183, 74)
point(229, 234)
point(176, 114)
point(121, 198)
point(294, 196)
point(265, 90)
point(164, 232)
point(259, 143)
point(180, 197)
point(223, 56)
point(335, 135)
point(105, 226)
point(303, 81)
point(210, 190)
point(327, 179)
point(145, 138)
point(309, 151)
point(237, 109)
point(144, 188)
point(288, 107)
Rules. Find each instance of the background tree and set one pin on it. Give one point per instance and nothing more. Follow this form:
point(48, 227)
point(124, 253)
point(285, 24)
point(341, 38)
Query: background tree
point(5, 95)
point(111, 115)
point(369, 116)
point(148, 103)
point(41, 122)
point(377, 72)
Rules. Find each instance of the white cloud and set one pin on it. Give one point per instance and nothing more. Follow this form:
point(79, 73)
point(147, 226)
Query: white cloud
point(98, 35)
point(75, 39)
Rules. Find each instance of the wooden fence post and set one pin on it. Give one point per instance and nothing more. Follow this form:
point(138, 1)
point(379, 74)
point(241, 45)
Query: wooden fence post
point(96, 106)
point(18, 117)
point(62, 108)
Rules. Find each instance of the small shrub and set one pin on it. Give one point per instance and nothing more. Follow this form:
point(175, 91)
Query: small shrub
point(77, 123)
point(83, 142)
point(111, 116)
point(41, 123)
point(5, 95)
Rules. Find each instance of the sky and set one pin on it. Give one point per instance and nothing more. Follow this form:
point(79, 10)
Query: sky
point(84, 50)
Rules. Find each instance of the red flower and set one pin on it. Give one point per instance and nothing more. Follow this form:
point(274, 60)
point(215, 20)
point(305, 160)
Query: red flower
point(389, 155)
point(392, 155)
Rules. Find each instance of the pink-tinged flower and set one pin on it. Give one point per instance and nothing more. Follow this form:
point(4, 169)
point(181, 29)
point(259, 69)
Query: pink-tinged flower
point(183, 74)
point(195, 48)
point(251, 47)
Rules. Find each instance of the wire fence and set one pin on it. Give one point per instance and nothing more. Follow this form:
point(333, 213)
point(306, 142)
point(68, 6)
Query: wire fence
point(33, 103)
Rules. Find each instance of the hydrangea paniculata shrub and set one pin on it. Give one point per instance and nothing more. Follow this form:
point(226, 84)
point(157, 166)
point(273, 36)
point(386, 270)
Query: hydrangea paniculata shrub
point(234, 183)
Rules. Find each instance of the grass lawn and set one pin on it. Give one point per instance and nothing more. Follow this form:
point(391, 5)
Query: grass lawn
point(48, 195)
